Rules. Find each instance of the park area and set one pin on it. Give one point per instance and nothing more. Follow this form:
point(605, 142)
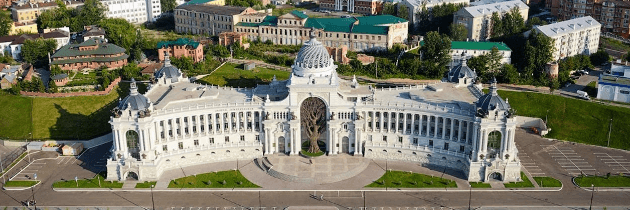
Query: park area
point(574, 119)
point(80, 117)
point(234, 75)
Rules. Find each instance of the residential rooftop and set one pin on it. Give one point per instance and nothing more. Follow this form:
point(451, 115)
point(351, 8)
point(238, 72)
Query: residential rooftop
point(500, 7)
point(568, 26)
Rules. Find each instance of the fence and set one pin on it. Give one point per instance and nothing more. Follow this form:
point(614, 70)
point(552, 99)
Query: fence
point(12, 156)
point(58, 95)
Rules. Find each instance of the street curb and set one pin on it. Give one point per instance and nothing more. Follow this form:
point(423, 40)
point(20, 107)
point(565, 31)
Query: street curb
point(22, 188)
point(258, 190)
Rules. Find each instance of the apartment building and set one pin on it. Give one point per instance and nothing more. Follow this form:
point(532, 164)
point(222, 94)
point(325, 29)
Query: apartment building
point(208, 19)
point(134, 11)
point(358, 33)
point(415, 6)
point(572, 37)
point(367, 7)
point(478, 19)
point(613, 15)
point(13, 44)
point(27, 11)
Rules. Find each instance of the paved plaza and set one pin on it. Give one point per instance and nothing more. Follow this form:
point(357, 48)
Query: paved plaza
point(540, 157)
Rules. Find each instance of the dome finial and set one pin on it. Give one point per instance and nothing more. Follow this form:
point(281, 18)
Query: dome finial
point(133, 88)
point(167, 60)
point(493, 86)
point(312, 33)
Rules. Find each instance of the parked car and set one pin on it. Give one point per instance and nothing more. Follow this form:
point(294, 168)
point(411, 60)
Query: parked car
point(583, 95)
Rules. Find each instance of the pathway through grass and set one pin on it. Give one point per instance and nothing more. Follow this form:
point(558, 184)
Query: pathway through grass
point(233, 75)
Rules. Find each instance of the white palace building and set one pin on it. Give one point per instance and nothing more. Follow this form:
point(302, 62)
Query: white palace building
point(178, 123)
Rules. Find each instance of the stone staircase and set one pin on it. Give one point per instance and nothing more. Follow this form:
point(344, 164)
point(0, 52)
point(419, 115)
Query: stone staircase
point(265, 165)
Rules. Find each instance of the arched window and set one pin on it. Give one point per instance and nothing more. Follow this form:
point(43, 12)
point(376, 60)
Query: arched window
point(132, 143)
point(494, 140)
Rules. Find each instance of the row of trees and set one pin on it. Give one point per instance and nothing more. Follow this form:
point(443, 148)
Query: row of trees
point(398, 10)
point(509, 24)
point(438, 18)
point(91, 13)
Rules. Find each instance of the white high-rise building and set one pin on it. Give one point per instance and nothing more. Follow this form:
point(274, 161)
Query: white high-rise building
point(415, 7)
point(134, 11)
point(572, 37)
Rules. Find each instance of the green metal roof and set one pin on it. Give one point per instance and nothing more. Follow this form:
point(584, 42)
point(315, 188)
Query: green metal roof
point(71, 50)
point(461, 45)
point(178, 42)
point(299, 14)
point(364, 25)
point(197, 2)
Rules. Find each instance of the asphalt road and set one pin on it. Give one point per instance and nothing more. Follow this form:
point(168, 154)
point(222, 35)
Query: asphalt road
point(539, 154)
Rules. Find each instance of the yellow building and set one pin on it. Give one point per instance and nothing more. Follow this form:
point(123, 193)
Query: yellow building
point(29, 11)
point(18, 28)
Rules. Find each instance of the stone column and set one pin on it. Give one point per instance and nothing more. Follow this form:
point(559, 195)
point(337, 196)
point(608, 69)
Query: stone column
point(397, 119)
point(443, 128)
point(330, 140)
point(143, 140)
point(116, 140)
point(460, 130)
point(413, 124)
point(404, 123)
point(357, 141)
point(452, 132)
point(373, 121)
point(380, 118)
point(436, 127)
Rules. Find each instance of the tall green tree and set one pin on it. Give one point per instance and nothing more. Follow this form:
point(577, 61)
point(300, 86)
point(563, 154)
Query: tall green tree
point(55, 70)
point(439, 18)
point(509, 74)
point(55, 18)
point(129, 71)
point(36, 51)
point(168, 5)
point(436, 51)
point(513, 22)
point(497, 26)
point(458, 32)
point(52, 87)
point(600, 57)
point(5, 22)
point(535, 21)
point(91, 13)
point(402, 12)
point(538, 52)
point(119, 32)
point(389, 9)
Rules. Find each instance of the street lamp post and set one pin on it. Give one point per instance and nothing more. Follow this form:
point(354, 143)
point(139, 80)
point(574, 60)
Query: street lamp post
point(469, 195)
point(592, 191)
point(33, 192)
point(152, 201)
point(609, 130)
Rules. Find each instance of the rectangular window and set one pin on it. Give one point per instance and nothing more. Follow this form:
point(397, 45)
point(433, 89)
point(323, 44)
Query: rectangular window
point(445, 146)
point(415, 140)
point(242, 138)
point(461, 149)
point(385, 138)
point(211, 140)
point(196, 142)
point(227, 139)
point(257, 137)
point(164, 148)
point(431, 143)
point(400, 139)
point(180, 145)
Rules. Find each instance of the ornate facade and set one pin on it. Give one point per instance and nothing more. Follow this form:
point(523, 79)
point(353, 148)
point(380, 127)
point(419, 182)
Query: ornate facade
point(178, 123)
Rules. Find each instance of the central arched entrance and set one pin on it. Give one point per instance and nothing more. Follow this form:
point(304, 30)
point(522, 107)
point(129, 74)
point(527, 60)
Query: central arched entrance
point(496, 176)
point(132, 176)
point(313, 123)
point(494, 143)
point(345, 144)
point(281, 142)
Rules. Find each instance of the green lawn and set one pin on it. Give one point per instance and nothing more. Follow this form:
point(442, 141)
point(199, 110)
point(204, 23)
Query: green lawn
point(545, 181)
point(145, 184)
point(233, 75)
point(602, 181)
point(221, 179)
point(15, 117)
point(83, 79)
point(88, 183)
point(521, 184)
point(20, 183)
point(479, 185)
point(402, 179)
point(575, 119)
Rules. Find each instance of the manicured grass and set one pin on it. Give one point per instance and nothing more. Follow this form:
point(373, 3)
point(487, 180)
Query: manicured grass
point(402, 179)
point(83, 79)
point(88, 183)
point(479, 185)
point(575, 119)
point(145, 184)
point(591, 89)
point(305, 152)
point(233, 75)
point(521, 184)
point(15, 117)
point(221, 179)
point(82, 117)
point(602, 181)
point(545, 181)
point(20, 183)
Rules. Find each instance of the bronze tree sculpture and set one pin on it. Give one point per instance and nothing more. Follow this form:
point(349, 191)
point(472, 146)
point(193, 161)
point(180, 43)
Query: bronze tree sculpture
point(313, 118)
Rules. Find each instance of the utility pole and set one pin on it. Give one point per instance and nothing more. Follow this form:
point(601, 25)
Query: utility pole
point(152, 201)
point(469, 195)
point(592, 191)
point(609, 130)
